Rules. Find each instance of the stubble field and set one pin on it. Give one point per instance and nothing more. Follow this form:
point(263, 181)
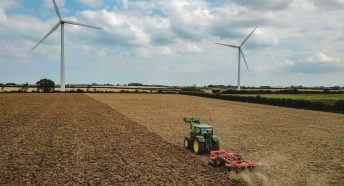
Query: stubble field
point(135, 139)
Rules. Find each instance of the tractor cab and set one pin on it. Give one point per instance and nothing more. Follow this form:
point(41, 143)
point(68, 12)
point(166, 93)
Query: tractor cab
point(202, 130)
point(201, 138)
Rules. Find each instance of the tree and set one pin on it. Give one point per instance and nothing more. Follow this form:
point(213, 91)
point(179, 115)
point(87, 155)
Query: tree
point(193, 87)
point(11, 84)
point(135, 84)
point(293, 90)
point(216, 91)
point(2, 87)
point(45, 85)
point(24, 87)
point(326, 90)
point(88, 88)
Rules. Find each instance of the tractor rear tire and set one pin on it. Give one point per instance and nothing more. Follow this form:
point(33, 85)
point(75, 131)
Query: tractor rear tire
point(187, 143)
point(198, 147)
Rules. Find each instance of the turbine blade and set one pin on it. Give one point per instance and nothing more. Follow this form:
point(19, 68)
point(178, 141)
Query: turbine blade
point(248, 37)
point(57, 10)
point(49, 33)
point(243, 56)
point(80, 24)
point(233, 46)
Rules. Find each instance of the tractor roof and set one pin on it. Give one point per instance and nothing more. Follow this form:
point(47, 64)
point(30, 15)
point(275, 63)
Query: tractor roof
point(204, 125)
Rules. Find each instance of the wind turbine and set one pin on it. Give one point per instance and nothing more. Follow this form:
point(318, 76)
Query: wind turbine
point(61, 22)
point(241, 53)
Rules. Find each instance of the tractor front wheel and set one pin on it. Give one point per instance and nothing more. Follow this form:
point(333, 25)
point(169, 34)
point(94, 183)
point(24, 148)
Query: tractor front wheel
point(186, 143)
point(197, 147)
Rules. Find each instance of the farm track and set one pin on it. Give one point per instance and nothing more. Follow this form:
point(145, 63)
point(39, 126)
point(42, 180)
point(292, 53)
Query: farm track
point(301, 147)
point(54, 139)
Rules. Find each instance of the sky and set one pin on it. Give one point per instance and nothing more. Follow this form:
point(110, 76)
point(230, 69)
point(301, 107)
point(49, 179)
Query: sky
point(171, 42)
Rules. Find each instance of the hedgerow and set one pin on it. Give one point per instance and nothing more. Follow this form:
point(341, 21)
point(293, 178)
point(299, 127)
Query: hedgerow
point(292, 103)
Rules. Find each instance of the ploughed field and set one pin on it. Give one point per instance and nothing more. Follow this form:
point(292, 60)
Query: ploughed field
point(56, 139)
point(300, 147)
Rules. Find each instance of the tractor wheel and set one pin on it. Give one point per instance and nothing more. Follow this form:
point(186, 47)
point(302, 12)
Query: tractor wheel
point(216, 145)
point(220, 162)
point(186, 143)
point(197, 147)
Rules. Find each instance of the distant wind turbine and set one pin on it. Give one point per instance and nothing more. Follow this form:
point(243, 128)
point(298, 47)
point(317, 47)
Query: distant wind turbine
point(241, 53)
point(61, 22)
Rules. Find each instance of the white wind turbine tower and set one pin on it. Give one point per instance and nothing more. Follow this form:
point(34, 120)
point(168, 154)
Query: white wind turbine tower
point(241, 53)
point(61, 22)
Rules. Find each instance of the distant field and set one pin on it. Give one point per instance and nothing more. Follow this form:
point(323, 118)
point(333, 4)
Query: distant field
point(95, 88)
point(326, 98)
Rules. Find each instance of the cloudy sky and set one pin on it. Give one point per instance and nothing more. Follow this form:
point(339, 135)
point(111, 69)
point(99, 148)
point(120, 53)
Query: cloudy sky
point(171, 42)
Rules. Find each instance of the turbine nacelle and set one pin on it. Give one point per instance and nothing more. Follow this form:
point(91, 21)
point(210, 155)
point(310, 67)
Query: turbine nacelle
point(61, 22)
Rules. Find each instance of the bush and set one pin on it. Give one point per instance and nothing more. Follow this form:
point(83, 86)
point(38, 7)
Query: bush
point(234, 91)
point(193, 88)
point(216, 91)
point(339, 106)
point(326, 91)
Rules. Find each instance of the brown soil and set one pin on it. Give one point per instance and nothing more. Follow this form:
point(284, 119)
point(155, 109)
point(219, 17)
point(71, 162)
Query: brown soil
point(301, 147)
point(54, 139)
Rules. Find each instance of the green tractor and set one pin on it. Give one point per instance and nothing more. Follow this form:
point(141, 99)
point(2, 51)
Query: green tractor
point(200, 139)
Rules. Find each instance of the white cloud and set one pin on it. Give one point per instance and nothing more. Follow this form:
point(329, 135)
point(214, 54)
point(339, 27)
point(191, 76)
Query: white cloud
point(165, 50)
point(188, 48)
point(8, 4)
point(265, 4)
point(125, 4)
point(333, 3)
point(92, 3)
point(118, 27)
point(140, 6)
point(323, 58)
point(264, 36)
point(189, 20)
point(49, 3)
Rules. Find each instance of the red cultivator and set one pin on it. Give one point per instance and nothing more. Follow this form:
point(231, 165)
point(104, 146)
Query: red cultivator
point(231, 161)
